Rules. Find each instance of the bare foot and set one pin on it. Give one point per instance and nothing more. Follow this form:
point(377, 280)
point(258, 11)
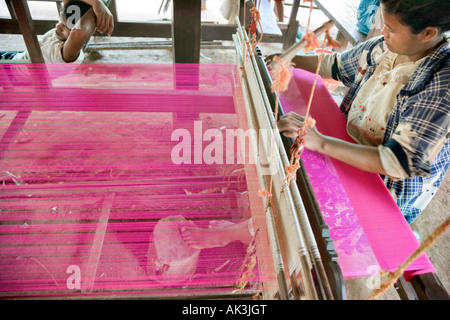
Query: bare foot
point(203, 238)
point(217, 235)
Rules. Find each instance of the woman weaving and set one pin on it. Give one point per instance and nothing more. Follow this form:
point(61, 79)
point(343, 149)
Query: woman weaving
point(398, 104)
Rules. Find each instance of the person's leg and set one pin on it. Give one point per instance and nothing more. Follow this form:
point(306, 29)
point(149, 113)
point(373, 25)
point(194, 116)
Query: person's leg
point(8, 55)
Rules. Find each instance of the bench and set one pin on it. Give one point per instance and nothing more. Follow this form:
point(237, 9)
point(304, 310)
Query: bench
point(343, 13)
point(269, 21)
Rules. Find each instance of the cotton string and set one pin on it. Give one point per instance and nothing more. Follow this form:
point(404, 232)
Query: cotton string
point(298, 146)
point(310, 14)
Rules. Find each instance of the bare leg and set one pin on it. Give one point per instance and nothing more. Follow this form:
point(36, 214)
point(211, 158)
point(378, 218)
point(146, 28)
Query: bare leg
point(216, 236)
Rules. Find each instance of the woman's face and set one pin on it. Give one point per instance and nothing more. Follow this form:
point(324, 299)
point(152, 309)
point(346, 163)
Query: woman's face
point(398, 37)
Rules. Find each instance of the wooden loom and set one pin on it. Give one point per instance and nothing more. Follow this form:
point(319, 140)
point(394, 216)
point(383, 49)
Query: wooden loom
point(326, 271)
point(304, 263)
point(303, 257)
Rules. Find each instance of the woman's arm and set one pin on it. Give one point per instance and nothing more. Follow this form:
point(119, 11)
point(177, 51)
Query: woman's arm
point(366, 158)
point(363, 157)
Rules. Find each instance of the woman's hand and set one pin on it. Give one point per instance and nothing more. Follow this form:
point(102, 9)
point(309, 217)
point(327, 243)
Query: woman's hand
point(105, 20)
point(363, 157)
point(269, 58)
point(289, 125)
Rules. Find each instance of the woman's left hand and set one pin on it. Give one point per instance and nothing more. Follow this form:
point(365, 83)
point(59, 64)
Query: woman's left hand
point(289, 125)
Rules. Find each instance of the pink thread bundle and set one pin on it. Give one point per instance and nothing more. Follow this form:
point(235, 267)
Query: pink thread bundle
point(281, 75)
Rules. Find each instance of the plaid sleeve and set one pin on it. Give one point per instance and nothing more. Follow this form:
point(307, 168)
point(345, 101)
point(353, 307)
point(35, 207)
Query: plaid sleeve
point(423, 126)
point(353, 61)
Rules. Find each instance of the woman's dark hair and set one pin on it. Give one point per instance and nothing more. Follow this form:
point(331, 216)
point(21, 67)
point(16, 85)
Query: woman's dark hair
point(419, 14)
point(68, 10)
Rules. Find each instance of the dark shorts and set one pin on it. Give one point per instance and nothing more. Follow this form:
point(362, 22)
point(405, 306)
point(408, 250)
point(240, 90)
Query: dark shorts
point(8, 55)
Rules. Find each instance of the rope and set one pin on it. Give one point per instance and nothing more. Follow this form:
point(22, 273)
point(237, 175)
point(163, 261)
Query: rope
point(393, 277)
point(299, 143)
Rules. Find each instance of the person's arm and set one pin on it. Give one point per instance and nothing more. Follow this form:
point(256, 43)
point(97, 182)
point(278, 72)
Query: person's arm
point(306, 62)
point(78, 37)
point(366, 158)
point(104, 18)
point(363, 157)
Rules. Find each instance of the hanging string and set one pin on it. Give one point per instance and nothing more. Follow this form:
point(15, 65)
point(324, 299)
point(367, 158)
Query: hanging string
point(282, 78)
point(299, 143)
point(255, 21)
point(330, 42)
point(310, 13)
point(250, 261)
point(248, 267)
point(393, 276)
point(309, 37)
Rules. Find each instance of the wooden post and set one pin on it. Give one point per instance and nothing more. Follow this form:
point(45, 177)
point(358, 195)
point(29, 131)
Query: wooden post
point(186, 31)
point(23, 16)
point(292, 29)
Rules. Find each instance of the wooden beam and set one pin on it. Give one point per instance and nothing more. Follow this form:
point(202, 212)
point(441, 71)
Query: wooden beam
point(155, 29)
point(429, 287)
point(292, 28)
point(22, 13)
point(186, 31)
point(343, 13)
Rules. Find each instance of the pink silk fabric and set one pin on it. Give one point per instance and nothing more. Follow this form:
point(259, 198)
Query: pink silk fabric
point(366, 225)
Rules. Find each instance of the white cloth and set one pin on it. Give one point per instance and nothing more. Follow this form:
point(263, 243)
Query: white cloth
point(51, 48)
point(373, 104)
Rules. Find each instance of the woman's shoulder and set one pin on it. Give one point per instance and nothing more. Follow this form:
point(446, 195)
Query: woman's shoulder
point(433, 73)
point(369, 50)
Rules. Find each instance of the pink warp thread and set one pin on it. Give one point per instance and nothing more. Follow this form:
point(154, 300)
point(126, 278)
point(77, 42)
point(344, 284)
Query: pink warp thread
point(86, 175)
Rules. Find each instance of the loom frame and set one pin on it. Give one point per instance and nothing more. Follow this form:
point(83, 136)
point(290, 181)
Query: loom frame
point(257, 84)
point(426, 286)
